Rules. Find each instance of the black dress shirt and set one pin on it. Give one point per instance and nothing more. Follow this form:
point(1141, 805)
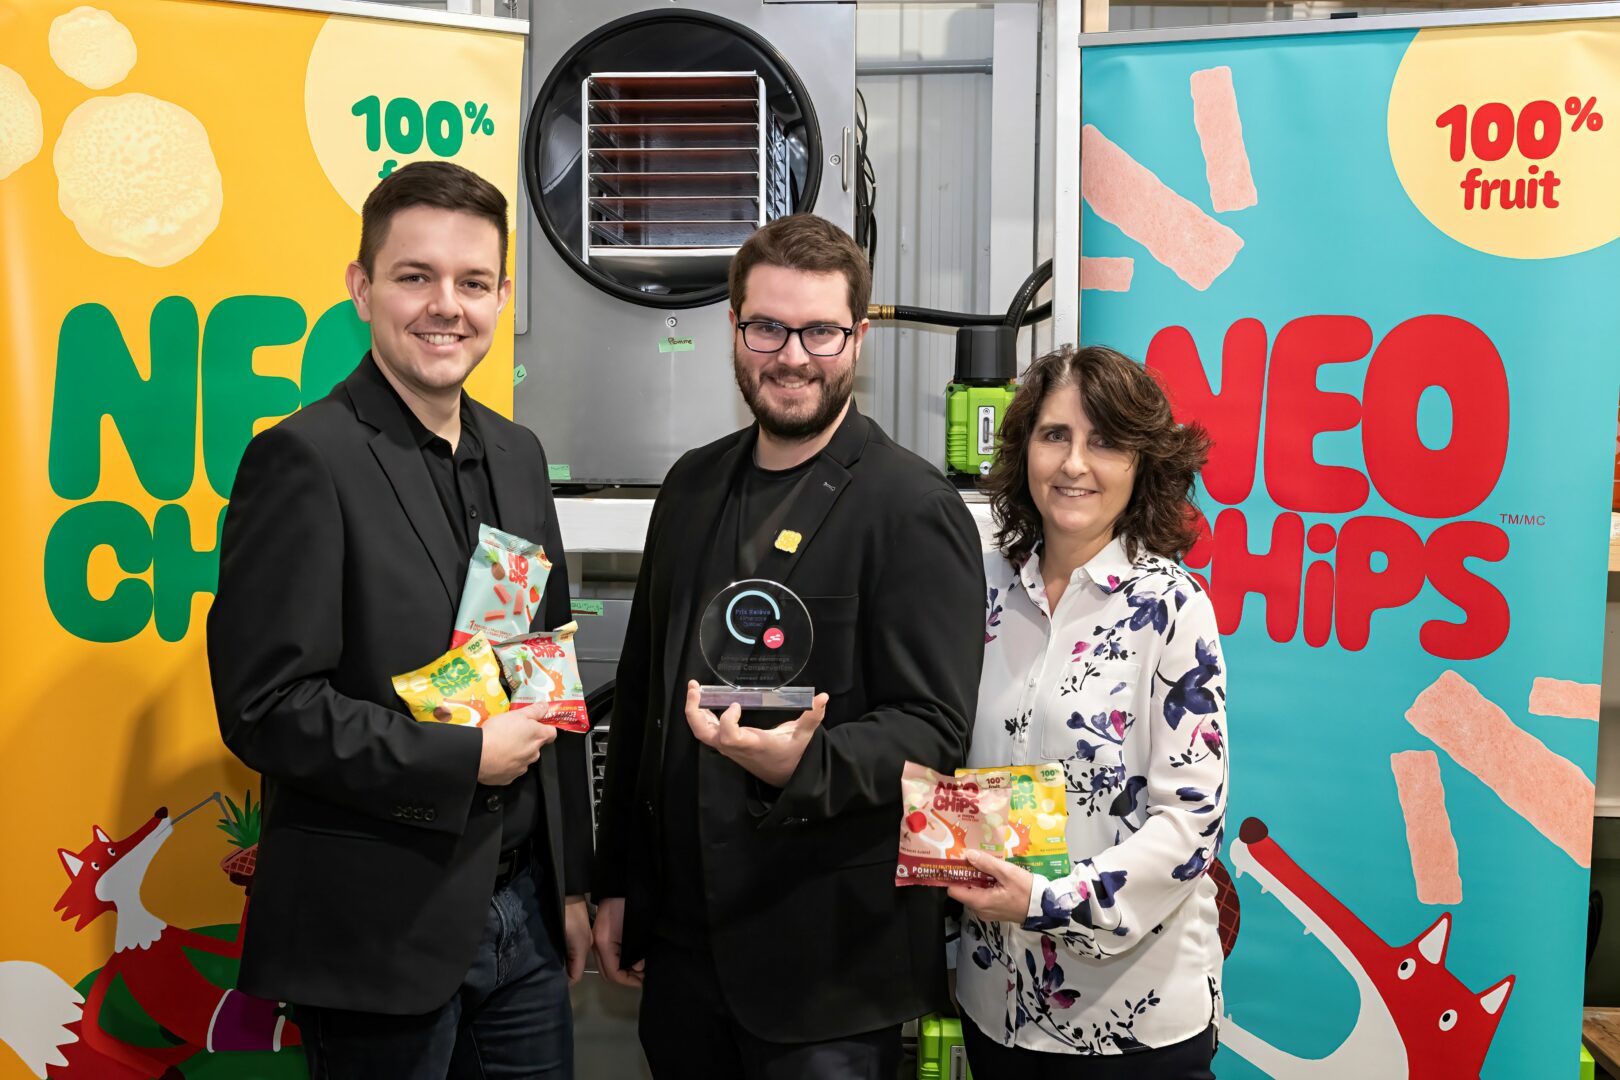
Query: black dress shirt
point(461, 477)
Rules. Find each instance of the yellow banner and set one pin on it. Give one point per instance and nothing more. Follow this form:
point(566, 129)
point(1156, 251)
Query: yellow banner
point(180, 185)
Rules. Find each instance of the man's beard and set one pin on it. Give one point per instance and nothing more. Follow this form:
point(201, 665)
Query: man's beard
point(835, 392)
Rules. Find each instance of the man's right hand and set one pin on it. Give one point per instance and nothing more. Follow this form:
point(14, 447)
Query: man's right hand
point(512, 742)
point(607, 932)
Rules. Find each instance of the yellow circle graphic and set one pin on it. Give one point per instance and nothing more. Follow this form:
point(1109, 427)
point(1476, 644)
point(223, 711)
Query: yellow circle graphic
point(1498, 135)
point(378, 95)
point(22, 127)
point(137, 177)
point(92, 46)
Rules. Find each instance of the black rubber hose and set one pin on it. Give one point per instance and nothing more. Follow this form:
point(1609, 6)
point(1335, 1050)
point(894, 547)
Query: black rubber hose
point(937, 317)
point(1026, 293)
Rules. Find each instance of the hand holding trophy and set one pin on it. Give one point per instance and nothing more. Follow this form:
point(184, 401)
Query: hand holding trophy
point(756, 635)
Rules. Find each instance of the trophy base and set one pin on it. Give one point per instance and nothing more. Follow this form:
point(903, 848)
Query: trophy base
point(784, 698)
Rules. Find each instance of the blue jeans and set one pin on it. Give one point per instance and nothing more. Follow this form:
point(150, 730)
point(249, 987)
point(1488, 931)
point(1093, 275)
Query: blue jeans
point(510, 1020)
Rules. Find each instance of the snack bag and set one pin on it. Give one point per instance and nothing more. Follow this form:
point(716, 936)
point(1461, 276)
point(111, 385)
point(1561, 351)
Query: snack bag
point(944, 816)
point(1016, 813)
point(461, 687)
point(505, 579)
point(1034, 832)
point(544, 667)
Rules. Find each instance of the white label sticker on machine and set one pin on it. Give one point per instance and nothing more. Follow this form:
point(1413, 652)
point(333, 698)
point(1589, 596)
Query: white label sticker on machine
point(987, 429)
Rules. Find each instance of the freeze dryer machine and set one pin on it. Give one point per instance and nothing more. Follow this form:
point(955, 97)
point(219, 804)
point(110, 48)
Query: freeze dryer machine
point(657, 139)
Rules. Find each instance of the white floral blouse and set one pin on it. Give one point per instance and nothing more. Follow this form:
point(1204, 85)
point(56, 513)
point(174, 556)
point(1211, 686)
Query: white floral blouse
point(1124, 684)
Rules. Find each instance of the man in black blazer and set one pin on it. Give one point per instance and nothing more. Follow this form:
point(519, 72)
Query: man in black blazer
point(745, 873)
point(409, 899)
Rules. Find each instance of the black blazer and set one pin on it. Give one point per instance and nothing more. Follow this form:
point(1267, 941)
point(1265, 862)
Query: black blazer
point(810, 936)
point(337, 571)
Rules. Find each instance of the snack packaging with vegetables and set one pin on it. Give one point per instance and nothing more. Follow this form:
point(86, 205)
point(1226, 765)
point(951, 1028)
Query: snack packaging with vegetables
point(1017, 813)
point(505, 579)
point(544, 667)
point(461, 687)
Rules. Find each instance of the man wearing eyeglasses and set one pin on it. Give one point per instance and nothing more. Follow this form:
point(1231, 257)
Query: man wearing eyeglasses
point(746, 861)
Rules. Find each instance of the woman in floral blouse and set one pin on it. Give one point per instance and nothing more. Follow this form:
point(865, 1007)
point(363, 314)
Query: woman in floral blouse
point(1101, 653)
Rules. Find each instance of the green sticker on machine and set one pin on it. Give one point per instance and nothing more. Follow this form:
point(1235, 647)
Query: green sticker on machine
point(519, 373)
point(585, 607)
point(559, 472)
point(676, 344)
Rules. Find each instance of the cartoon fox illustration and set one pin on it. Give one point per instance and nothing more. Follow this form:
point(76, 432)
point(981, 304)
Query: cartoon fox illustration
point(1417, 1019)
point(56, 1031)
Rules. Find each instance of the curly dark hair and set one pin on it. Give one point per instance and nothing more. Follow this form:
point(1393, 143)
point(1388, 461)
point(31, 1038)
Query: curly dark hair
point(1126, 404)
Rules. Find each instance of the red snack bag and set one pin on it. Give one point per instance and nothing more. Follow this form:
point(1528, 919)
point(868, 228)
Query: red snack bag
point(544, 667)
point(505, 579)
point(943, 817)
point(1014, 812)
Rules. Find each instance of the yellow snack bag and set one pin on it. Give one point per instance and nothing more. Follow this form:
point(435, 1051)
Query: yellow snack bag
point(461, 687)
point(1033, 832)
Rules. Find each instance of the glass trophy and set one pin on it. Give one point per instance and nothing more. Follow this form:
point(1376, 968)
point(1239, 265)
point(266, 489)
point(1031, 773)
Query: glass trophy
point(756, 636)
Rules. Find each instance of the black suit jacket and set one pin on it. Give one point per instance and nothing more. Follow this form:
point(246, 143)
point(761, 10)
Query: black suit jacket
point(810, 936)
point(337, 571)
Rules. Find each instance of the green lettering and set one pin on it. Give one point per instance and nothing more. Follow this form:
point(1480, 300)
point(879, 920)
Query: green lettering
point(156, 417)
point(73, 538)
point(336, 344)
point(179, 572)
point(234, 395)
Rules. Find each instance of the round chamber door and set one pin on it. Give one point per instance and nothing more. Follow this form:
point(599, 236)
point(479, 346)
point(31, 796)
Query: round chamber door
point(658, 144)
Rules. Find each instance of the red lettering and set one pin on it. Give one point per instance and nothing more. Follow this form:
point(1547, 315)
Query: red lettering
point(1363, 590)
point(1232, 416)
point(1203, 550)
point(1380, 562)
point(1457, 357)
point(519, 571)
point(1296, 412)
point(1320, 538)
point(1318, 604)
point(1275, 575)
point(1486, 616)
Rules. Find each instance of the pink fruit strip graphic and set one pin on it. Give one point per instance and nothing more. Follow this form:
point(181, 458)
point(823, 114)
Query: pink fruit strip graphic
point(1560, 697)
point(1106, 275)
point(1193, 245)
point(1548, 791)
point(1220, 134)
point(1428, 826)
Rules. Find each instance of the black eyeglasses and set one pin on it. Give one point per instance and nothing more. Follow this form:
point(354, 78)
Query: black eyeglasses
point(767, 336)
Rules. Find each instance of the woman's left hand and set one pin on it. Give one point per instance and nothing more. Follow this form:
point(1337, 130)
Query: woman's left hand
point(1007, 900)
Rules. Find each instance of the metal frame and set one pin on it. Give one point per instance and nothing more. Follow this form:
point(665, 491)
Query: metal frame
point(368, 10)
point(712, 251)
point(1015, 148)
point(1066, 259)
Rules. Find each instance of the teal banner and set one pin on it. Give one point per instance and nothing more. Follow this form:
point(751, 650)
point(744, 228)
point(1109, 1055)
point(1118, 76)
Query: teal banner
point(1380, 267)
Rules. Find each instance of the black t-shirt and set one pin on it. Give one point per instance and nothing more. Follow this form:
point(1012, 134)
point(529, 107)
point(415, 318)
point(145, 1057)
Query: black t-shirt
point(751, 519)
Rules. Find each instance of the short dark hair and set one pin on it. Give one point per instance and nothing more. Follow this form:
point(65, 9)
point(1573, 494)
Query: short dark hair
point(804, 242)
point(428, 183)
point(1125, 403)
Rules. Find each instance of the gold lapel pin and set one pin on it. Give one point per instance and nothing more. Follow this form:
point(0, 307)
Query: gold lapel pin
point(787, 540)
